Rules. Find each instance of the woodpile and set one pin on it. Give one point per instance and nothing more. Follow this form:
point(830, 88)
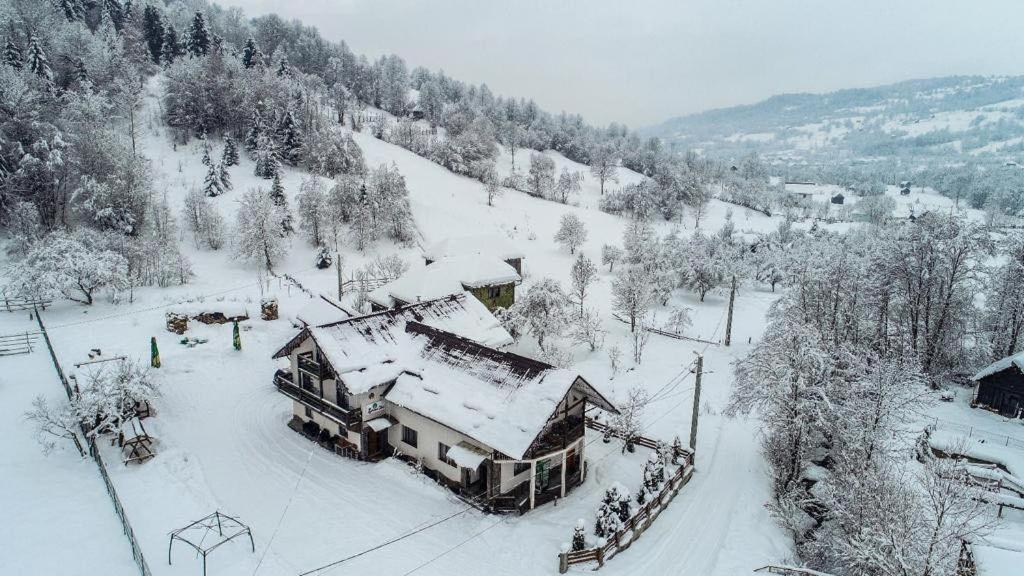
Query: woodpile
point(177, 323)
point(268, 309)
point(218, 318)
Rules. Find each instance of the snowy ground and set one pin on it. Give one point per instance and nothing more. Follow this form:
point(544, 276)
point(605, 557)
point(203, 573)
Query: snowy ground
point(55, 502)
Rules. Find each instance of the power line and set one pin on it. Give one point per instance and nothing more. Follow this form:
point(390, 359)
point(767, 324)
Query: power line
point(287, 505)
point(474, 536)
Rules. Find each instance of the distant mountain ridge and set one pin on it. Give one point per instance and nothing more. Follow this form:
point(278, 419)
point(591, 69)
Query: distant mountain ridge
point(978, 116)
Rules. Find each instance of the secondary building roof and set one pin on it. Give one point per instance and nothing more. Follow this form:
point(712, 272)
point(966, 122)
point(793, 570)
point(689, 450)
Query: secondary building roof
point(1000, 365)
point(480, 245)
point(320, 310)
point(445, 277)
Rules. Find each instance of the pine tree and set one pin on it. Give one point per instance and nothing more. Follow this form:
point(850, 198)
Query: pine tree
point(290, 138)
point(323, 258)
point(153, 31)
point(579, 541)
point(250, 52)
point(198, 37)
point(282, 69)
point(255, 133)
point(363, 230)
point(81, 74)
point(13, 56)
point(224, 177)
point(72, 9)
point(267, 163)
point(116, 12)
point(37, 62)
point(281, 201)
point(171, 48)
point(230, 155)
point(211, 186)
point(207, 161)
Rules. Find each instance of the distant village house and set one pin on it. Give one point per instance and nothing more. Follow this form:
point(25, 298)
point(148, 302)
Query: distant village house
point(1000, 386)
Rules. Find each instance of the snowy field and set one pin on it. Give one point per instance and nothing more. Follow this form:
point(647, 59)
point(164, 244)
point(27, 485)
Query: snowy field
point(54, 502)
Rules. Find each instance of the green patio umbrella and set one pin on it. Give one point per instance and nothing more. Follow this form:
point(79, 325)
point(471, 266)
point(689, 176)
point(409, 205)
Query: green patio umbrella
point(236, 338)
point(154, 353)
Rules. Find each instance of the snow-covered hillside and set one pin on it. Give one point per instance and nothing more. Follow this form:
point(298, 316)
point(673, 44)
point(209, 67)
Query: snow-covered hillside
point(979, 116)
point(222, 441)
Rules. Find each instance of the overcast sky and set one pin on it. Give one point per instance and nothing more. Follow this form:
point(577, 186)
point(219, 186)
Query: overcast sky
point(643, 61)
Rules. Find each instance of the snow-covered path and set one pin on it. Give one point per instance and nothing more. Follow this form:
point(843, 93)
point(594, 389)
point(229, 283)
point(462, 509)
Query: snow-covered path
point(711, 528)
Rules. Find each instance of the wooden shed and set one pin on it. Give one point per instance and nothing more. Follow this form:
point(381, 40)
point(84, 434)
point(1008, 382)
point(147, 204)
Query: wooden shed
point(1000, 386)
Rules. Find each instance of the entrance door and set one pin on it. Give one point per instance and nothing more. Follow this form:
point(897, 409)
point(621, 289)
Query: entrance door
point(371, 442)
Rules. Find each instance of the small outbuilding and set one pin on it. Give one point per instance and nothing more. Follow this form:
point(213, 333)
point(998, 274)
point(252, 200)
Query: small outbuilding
point(1000, 386)
point(838, 199)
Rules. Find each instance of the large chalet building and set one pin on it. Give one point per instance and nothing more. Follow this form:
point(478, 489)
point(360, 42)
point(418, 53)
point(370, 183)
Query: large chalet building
point(426, 382)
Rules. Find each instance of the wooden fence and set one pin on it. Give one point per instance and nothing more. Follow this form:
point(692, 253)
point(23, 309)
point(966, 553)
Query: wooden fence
point(666, 333)
point(638, 440)
point(94, 451)
point(789, 571)
point(24, 343)
point(16, 304)
point(634, 527)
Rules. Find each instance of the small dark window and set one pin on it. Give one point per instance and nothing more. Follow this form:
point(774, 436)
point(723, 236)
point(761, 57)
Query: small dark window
point(309, 412)
point(442, 454)
point(520, 467)
point(493, 291)
point(409, 436)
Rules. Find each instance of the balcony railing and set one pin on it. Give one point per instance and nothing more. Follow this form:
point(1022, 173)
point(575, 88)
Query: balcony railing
point(309, 365)
point(283, 382)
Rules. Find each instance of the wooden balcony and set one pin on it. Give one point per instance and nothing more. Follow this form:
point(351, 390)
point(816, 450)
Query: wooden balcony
point(284, 383)
point(558, 436)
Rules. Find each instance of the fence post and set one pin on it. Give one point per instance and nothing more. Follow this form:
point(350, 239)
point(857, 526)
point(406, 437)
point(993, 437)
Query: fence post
point(563, 563)
point(600, 556)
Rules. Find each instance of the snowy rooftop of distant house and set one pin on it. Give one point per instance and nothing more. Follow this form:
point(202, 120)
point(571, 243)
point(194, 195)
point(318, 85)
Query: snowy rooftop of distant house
point(320, 310)
point(992, 561)
point(482, 244)
point(499, 399)
point(1000, 365)
point(445, 277)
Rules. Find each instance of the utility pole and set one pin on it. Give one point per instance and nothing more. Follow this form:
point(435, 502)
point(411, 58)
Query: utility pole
point(696, 404)
point(337, 262)
point(732, 301)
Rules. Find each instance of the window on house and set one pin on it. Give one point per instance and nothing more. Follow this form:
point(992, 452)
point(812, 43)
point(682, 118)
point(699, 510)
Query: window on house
point(409, 436)
point(493, 291)
point(520, 467)
point(341, 395)
point(442, 454)
point(309, 412)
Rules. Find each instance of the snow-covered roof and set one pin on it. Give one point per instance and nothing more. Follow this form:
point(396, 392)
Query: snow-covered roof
point(321, 311)
point(1000, 365)
point(481, 244)
point(442, 359)
point(363, 351)
point(445, 277)
point(466, 455)
point(992, 561)
point(499, 399)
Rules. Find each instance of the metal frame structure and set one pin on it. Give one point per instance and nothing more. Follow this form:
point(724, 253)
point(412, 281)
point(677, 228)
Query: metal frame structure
point(205, 526)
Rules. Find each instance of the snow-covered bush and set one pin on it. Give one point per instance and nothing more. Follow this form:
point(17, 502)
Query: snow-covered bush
point(73, 265)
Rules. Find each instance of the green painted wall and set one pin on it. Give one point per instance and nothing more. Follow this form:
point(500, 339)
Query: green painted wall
point(505, 298)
